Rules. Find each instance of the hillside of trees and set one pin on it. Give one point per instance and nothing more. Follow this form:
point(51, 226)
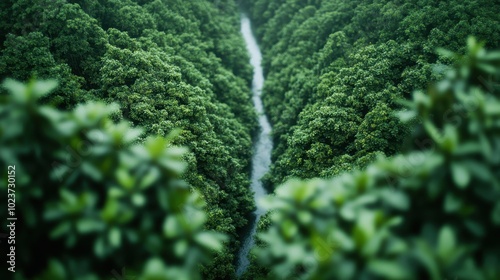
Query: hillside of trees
point(168, 65)
point(336, 73)
point(429, 213)
point(335, 70)
point(130, 126)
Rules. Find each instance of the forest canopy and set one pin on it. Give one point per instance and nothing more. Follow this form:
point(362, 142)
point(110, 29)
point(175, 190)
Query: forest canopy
point(336, 74)
point(335, 71)
point(130, 127)
point(167, 65)
point(429, 213)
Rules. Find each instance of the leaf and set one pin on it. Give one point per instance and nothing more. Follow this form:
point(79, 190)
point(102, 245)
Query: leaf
point(154, 269)
point(388, 269)
point(492, 56)
point(115, 237)
point(452, 203)
point(17, 89)
point(42, 88)
point(406, 116)
point(304, 217)
point(131, 135)
point(171, 227)
point(475, 227)
point(68, 197)
point(99, 247)
point(424, 253)
point(445, 53)
point(446, 242)
point(181, 247)
point(138, 199)
point(110, 210)
point(492, 108)
point(396, 199)
point(348, 212)
point(115, 192)
point(449, 140)
point(177, 167)
point(155, 146)
point(176, 152)
point(174, 133)
point(124, 178)
point(460, 174)
point(60, 230)
point(55, 271)
point(151, 177)
point(90, 170)
point(490, 69)
point(342, 240)
point(289, 228)
point(87, 225)
point(210, 240)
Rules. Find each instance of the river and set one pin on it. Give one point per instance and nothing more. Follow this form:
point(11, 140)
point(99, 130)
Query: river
point(261, 159)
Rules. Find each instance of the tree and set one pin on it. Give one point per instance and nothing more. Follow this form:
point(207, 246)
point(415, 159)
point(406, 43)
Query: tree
point(430, 213)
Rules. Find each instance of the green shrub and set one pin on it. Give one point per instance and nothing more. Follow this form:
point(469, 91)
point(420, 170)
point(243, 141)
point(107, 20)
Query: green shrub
point(91, 199)
point(432, 213)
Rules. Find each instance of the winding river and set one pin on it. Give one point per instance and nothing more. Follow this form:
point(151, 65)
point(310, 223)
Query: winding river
point(262, 148)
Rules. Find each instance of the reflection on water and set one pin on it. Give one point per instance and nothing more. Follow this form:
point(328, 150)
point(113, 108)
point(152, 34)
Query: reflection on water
point(262, 150)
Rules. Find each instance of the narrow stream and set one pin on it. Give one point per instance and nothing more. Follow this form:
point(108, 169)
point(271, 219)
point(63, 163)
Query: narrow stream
point(262, 147)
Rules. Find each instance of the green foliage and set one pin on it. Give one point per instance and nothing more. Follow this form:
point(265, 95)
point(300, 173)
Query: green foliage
point(168, 64)
point(431, 213)
point(33, 51)
point(91, 197)
point(106, 194)
point(342, 64)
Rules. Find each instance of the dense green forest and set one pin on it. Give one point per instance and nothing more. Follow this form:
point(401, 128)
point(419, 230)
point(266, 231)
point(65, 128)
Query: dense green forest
point(168, 64)
point(429, 213)
point(130, 126)
point(336, 73)
point(335, 70)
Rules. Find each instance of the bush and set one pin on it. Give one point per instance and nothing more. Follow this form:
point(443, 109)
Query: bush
point(93, 201)
point(432, 213)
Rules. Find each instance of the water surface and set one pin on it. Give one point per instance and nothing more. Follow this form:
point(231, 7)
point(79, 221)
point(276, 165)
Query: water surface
point(262, 147)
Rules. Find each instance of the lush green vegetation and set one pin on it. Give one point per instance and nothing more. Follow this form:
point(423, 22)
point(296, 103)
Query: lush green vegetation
point(335, 74)
point(91, 201)
point(169, 65)
point(335, 70)
point(132, 140)
point(430, 213)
